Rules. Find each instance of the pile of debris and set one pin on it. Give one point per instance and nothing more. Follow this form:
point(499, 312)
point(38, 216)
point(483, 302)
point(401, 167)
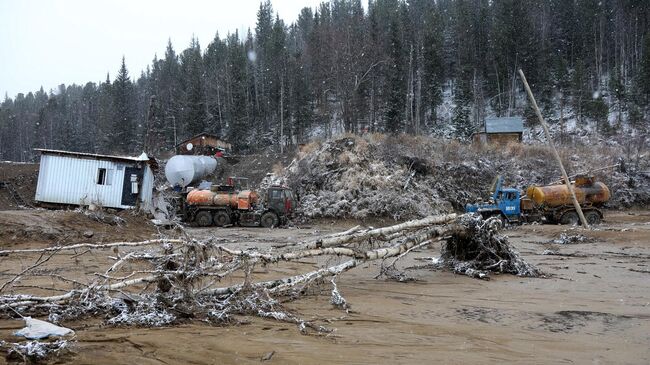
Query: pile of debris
point(631, 188)
point(357, 177)
point(170, 281)
point(409, 177)
point(478, 249)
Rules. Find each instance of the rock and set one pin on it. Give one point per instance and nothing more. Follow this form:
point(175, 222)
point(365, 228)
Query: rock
point(267, 356)
point(88, 233)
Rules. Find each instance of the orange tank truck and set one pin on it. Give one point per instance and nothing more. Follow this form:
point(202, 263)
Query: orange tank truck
point(549, 203)
point(226, 205)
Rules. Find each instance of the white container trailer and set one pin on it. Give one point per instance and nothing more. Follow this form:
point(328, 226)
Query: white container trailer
point(84, 178)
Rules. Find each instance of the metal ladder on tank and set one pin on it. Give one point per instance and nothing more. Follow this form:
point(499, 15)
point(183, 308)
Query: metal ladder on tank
point(15, 196)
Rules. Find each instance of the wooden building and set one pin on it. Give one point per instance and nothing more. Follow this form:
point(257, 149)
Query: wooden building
point(203, 144)
point(500, 130)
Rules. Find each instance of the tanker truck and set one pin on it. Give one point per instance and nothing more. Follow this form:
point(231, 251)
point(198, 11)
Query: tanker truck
point(224, 205)
point(550, 203)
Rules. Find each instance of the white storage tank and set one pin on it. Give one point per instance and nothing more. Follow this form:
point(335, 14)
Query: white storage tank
point(183, 170)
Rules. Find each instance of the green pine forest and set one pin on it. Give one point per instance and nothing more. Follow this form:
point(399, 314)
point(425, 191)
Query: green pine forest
point(399, 66)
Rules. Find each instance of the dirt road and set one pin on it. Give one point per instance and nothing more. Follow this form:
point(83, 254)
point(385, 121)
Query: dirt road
point(593, 308)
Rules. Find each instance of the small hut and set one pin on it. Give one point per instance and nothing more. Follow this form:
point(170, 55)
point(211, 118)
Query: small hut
point(500, 130)
point(76, 178)
point(203, 144)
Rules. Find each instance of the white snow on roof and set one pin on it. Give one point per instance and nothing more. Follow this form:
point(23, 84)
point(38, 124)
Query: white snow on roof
point(142, 157)
point(504, 125)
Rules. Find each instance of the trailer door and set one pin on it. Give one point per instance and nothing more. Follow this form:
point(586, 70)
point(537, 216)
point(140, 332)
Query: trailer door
point(131, 185)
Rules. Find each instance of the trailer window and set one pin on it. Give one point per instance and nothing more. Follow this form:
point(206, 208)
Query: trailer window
point(101, 176)
point(104, 176)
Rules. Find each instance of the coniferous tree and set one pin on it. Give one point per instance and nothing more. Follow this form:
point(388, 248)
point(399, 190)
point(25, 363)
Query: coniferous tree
point(461, 119)
point(214, 64)
point(643, 81)
point(580, 90)
point(238, 122)
point(395, 79)
point(617, 89)
point(122, 136)
point(396, 68)
point(194, 110)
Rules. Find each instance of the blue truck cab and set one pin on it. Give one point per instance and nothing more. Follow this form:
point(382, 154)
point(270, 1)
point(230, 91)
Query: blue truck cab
point(504, 203)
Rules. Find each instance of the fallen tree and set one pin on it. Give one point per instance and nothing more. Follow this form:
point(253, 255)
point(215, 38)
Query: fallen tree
point(163, 282)
point(478, 249)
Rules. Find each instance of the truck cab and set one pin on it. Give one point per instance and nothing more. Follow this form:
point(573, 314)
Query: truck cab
point(280, 199)
point(504, 203)
point(509, 203)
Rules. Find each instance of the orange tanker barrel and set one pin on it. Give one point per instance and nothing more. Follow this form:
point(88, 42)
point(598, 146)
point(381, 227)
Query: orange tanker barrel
point(597, 194)
point(554, 195)
point(254, 197)
point(246, 199)
point(200, 197)
point(559, 195)
point(226, 199)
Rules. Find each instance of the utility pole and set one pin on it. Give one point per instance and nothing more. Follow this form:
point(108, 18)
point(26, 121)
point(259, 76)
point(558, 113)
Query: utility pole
point(557, 156)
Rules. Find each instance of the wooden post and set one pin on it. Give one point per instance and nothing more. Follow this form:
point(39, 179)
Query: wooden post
point(557, 156)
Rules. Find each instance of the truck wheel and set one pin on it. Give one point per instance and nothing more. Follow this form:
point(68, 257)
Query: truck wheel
point(203, 218)
point(592, 217)
point(269, 220)
point(221, 218)
point(570, 218)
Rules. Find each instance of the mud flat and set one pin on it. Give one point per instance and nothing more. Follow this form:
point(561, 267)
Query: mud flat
point(594, 307)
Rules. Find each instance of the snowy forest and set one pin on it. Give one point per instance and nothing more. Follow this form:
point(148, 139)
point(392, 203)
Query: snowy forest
point(416, 66)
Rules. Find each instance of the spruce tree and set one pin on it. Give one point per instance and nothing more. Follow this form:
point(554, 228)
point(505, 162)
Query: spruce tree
point(580, 90)
point(395, 82)
point(122, 134)
point(461, 118)
point(617, 90)
point(194, 111)
point(643, 81)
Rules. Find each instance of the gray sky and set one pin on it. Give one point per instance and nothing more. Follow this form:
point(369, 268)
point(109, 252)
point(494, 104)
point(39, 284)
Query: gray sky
point(47, 42)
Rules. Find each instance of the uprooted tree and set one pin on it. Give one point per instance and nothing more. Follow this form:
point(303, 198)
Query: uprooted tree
point(170, 281)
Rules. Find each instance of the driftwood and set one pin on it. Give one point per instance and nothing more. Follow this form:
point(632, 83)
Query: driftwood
point(90, 246)
point(175, 280)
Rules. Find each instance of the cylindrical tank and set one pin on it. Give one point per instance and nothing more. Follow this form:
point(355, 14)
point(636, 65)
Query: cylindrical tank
point(225, 198)
point(200, 197)
point(595, 193)
point(247, 199)
point(243, 200)
point(183, 170)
